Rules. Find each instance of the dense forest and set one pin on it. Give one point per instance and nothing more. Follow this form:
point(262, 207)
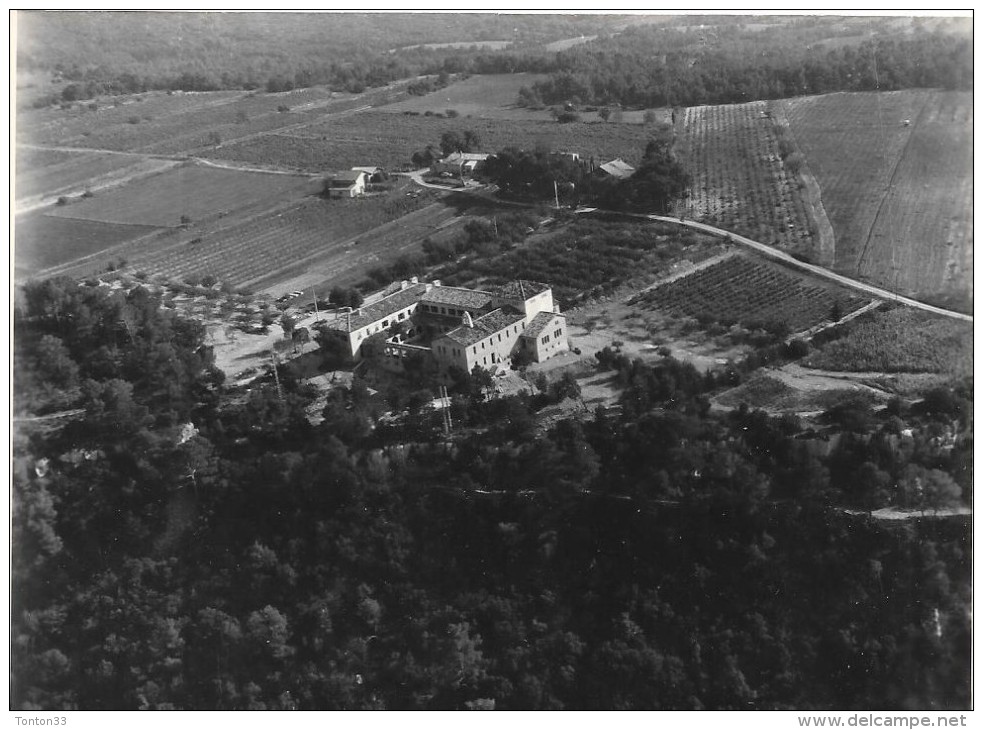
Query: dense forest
point(179, 544)
point(624, 70)
point(632, 61)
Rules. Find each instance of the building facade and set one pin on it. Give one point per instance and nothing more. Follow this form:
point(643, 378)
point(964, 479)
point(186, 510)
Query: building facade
point(456, 327)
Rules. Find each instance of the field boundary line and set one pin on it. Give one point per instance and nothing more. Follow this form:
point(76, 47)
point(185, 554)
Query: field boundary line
point(813, 197)
point(813, 331)
point(100, 184)
point(890, 187)
point(259, 170)
point(699, 266)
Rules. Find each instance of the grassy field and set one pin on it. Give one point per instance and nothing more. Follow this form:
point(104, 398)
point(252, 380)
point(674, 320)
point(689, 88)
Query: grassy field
point(750, 292)
point(739, 180)
point(43, 241)
point(389, 140)
point(193, 192)
point(494, 96)
point(50, 172)
point(488, 96)
point(899, 197)
point(901, 341)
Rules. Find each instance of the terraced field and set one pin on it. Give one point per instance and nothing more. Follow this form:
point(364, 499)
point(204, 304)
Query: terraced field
point(899, 196)
point(260, 248)
point(180, 123)
point(739, 180)
point(750, 292)
point(389, 140)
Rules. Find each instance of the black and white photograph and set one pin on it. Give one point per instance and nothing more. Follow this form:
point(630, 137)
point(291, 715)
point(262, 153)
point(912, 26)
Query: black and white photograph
point(453, 360)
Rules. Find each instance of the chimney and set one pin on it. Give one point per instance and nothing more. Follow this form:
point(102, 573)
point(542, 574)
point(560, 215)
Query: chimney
point(436, 282)
point(403, 284)
point(427, 287)
point(414, 280)
point(468, 322)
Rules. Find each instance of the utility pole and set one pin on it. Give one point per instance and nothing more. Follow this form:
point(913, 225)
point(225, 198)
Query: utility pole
point(276, 375)
point(556, 195)
point(446, 402)
point(317, 314)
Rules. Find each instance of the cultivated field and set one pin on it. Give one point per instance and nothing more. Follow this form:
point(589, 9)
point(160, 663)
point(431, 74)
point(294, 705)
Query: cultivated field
point(588, 258)
point(184, 195)
point(901, 341)
point(750, 292)
point(55, 125)
point(739, 180)
point(389, 140)
point(182, 123)
point(265, 246)
point(899, 197)
point(43, 241)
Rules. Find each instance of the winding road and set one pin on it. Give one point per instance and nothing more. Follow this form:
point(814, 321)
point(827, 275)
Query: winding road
point(812, 268)
point(769, 251)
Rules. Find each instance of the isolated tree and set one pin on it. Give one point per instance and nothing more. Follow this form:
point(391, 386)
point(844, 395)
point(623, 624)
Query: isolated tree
point(287, 322)
point(471, 140)
point(604, 112)
point(451, 141)
point(649, 117)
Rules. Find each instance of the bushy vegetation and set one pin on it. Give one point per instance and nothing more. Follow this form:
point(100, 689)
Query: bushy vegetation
point(901, 340)
point(181, 546)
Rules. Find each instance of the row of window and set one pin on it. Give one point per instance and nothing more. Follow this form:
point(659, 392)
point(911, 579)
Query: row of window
point(449, 311)
point(444, 350)
point(379, 327)
point(515, 331)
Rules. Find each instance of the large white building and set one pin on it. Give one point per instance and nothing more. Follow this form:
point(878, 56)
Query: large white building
point(457, 327)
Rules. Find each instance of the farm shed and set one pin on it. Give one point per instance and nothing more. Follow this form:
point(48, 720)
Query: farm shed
point(617, 168)
point(350, 183)
point(376, 174)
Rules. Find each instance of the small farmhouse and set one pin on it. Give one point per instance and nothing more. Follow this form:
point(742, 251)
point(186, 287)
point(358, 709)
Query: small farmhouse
point(375, 174)
point(348, 184)
point(456, 327)
point(617, 168)
point(459, 164)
